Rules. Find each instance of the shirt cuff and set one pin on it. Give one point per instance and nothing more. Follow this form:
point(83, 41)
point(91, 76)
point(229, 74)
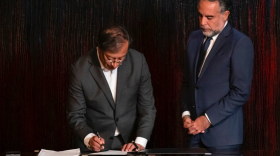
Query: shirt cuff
point(87, 138)
point(142, 141)
point(208, 118)
point(186, 113)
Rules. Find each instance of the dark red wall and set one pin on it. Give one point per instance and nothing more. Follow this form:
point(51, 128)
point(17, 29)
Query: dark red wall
point(39, 39)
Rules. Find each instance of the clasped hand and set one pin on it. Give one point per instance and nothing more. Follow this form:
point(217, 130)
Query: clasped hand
point(195, 127)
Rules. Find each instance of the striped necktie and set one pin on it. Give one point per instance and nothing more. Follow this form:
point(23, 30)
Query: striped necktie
point(202, 54)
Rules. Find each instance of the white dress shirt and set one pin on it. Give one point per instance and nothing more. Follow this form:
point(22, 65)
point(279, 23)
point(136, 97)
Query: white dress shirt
point(111, 77)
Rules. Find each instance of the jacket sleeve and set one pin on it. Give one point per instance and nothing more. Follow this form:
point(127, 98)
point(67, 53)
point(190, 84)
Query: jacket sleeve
point(145, 103)
point(241, 72)
point(76, 108)
point(185, 82)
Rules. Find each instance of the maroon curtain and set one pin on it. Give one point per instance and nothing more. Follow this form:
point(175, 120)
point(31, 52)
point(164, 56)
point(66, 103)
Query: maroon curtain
point(41, 38)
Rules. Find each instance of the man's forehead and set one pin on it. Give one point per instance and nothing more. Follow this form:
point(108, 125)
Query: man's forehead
point(121, 53)
point(109, 55)
point(205, 6)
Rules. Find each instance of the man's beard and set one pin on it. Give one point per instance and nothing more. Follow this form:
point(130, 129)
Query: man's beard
point(211, 33)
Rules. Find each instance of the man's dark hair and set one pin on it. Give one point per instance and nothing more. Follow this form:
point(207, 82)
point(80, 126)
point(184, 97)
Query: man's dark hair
point(111, 38)
point(224, 5)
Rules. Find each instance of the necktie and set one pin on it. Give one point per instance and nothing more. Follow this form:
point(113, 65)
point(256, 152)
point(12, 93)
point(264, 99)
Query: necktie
point(202, 54)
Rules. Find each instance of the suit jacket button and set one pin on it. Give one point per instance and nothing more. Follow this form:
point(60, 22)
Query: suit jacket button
point(111, 138)
point(196, 87)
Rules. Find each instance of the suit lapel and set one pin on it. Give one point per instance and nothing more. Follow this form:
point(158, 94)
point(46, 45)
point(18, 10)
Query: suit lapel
point(98, 75)
point(217, 45)
point(122, 74)
point(199, 42)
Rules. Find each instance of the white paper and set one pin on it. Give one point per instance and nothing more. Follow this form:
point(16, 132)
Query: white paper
point(72, 152)
point(110, 152)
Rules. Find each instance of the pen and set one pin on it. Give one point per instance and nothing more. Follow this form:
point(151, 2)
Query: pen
point(98, 135)
point(135, 146)
point(99, 138)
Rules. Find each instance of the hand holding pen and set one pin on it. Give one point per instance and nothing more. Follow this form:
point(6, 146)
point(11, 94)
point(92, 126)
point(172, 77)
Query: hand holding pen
point(132, 146)
point(96, 143)
point(136, 147)
point(99, 137)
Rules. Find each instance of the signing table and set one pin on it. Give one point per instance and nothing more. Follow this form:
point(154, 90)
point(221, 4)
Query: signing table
point(155, 152)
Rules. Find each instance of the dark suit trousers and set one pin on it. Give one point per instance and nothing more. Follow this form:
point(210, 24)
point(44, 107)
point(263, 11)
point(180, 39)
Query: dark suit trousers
point(195, 142)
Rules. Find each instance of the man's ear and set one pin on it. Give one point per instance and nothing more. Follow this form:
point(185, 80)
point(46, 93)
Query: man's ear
point(225, 15)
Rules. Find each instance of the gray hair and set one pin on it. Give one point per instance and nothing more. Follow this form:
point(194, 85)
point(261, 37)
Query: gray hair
point(225, 5)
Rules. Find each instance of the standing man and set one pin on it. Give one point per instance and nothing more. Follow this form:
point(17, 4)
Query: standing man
point(111, 100)
point(216, 80)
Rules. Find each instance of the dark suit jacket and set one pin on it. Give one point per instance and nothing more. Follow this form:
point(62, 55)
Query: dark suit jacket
point(223, 87)
point(91, 107)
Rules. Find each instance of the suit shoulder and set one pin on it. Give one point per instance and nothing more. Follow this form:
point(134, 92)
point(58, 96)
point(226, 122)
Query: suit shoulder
point(136, 55)
point(83, 61)
point(237, 35)
point(196, 34)
point(134, 52)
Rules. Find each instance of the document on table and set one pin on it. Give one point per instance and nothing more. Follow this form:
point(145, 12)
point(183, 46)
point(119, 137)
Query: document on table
point(110, 152)
point(72, 152)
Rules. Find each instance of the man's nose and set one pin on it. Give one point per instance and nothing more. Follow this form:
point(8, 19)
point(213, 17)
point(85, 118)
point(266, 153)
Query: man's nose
point(203, 21)
point(115, 64)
